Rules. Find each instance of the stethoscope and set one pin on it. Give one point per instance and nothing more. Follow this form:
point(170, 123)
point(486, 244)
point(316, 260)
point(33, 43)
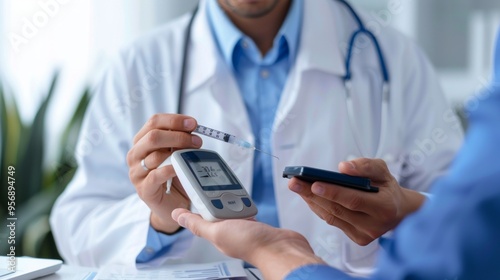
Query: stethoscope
point(347, 78)
point(348, 85)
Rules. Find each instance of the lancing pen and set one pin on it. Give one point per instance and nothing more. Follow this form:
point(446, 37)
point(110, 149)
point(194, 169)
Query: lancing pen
point(167, 161)
point(169, 181)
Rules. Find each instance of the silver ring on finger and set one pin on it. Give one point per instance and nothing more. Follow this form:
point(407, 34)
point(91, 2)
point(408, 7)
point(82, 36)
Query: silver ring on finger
point(143, 164)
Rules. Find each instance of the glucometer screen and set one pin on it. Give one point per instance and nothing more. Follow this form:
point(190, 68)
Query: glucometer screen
point(210, 171)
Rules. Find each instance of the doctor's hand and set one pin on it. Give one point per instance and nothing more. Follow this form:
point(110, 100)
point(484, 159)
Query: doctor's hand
point(275, 252)
point(360, 215)
point(155, 142)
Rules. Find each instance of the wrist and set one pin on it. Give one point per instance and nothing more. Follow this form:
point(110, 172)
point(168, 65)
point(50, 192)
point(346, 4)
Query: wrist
point(161, 217)
point(167, 227)
point(413, 200)
point(279, 259)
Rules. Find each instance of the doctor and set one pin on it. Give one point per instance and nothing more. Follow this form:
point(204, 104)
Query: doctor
point(271, 72)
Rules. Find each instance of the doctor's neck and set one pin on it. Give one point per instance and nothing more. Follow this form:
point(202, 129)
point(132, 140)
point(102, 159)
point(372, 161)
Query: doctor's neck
point(258, 19)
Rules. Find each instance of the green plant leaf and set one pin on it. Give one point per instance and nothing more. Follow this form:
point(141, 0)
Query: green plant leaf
point(3, 125)
point(36, 187)
point(3, 146)
point(11, 131)
point(16, 132)
point(30, 160)
point(66, 164)
point(12, 128)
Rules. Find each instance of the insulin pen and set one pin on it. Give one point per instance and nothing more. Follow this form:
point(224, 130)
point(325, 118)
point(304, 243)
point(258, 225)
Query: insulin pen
point(226, 137)
point(222, 136)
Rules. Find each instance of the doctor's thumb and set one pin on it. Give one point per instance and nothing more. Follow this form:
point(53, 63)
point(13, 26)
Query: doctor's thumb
point(348, 167)
point(375, 169)
point(178, 217)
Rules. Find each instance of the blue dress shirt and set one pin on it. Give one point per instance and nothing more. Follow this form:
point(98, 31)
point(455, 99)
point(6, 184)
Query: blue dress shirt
point(261, 80)
point(456, 234)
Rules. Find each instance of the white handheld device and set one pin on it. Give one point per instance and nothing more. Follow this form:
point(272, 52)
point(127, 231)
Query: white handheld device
point(211, 185)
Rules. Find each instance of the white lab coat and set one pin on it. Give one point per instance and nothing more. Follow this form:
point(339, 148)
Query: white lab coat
point(100, 220)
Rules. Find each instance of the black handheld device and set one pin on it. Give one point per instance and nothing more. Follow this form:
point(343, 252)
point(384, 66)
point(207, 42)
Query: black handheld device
point(310, 174)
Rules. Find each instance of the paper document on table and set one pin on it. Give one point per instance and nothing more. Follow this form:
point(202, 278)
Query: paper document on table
point(232, 269)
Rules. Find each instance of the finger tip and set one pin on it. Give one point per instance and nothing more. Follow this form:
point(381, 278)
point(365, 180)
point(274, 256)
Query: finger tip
point(318, 189)
point(177, 212)
point(197, 141)
point(295, 187)
point(346, 166)
point(190, 123)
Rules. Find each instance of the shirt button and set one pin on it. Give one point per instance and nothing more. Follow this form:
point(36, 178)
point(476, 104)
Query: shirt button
point(264, 74)
point(150, 250)
point(244, 44)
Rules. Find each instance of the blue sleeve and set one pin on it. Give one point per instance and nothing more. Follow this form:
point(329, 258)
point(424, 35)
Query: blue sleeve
point(157, 244)
point(455, 234)
point(317, 272)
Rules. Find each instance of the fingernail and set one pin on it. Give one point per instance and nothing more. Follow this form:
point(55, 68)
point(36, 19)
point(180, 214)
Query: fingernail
point(296, 188)
point(182, 221)
point(350, 165)
point(318, 189)
point(189, 123)
point(196, 140)
point(174, 215)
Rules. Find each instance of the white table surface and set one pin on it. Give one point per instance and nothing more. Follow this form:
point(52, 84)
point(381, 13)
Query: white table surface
point(68, 272)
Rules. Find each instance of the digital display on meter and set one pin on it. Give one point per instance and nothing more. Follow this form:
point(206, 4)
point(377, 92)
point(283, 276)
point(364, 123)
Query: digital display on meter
point(210, 173)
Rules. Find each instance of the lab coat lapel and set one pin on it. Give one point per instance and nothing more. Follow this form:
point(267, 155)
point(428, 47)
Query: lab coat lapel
point(215, 99)
point(208, 71)
point(320, 47)
point(202, 59)
point(318, 37)
point(234, 120)
point(319, 62)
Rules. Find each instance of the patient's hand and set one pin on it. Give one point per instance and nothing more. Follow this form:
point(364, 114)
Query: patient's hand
point(275, 252)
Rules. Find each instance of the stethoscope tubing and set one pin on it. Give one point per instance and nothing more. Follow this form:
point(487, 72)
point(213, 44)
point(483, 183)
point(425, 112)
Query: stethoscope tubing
point(347, 78)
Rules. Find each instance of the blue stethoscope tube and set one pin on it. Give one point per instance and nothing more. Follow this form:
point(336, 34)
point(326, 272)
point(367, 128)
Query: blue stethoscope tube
point(348, 84)
point(347, 78)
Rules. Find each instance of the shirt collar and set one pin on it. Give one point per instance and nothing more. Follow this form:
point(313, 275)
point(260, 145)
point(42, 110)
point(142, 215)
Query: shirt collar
point(227, 35)
point(292, 25)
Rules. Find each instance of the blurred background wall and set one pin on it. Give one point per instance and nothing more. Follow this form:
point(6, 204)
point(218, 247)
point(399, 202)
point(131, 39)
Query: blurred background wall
point(75, 38)
point(457, 35)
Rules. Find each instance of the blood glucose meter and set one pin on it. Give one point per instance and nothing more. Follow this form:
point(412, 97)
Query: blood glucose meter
point(211, 185)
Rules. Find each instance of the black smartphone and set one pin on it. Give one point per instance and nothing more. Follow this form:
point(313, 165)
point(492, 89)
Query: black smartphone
point(310, 174)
